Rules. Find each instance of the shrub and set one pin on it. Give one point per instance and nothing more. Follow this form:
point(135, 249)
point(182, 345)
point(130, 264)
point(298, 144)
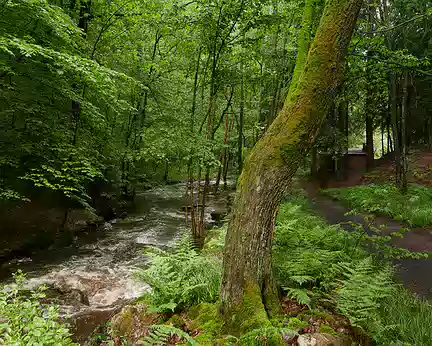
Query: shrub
point(25, 321)
point(181, 278)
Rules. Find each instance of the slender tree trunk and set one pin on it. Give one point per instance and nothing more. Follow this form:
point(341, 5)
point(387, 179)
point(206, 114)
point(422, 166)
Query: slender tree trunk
point(229, 155)
point(190, 171)
point(430, 132)
point(241, 125)
point(389, 139)
point(223, 156)
point(370, 115)
point(201, 225)
point(219, 173)
point(395, 127)
point(248, 287)
point(405, 105)
point(314, 163)
point(344, 130)
point(166, 171)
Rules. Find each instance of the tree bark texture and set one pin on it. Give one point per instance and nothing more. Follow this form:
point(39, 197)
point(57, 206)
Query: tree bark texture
point(305, 39)
point(248, 289)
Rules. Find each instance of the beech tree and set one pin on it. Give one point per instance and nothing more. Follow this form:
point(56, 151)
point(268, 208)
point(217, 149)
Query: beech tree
point(248, 290)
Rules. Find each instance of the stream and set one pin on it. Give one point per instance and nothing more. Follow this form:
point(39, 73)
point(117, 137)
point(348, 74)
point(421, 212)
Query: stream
point(94, 279)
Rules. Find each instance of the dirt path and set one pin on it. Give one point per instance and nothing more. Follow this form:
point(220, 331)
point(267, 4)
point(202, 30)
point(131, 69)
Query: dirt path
point(415, 274)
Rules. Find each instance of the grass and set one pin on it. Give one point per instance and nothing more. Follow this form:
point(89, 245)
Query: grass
point(407, 318)
point(414, 207)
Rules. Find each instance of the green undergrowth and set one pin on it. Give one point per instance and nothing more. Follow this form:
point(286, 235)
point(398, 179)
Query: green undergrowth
point(331, 285)
point(181, 278)
point(25, 321)
point(325, 267)
point(414, 207)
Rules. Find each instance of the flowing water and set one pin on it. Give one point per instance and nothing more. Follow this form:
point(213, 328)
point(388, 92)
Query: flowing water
point(95, 277)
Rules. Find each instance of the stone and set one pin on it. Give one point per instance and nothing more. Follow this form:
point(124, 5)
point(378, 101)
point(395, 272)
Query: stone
point(105, 227)
point(317, 339)
point(132, 323)
point(218, 215)
point(76, 295)
point(85, 323)
point(288, 337)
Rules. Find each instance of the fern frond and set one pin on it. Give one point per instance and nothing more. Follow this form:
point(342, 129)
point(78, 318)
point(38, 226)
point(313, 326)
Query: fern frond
point(302, 296)
point(159, 334)
point(181, 278)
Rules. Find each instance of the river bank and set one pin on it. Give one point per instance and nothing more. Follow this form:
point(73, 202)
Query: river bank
point(93, 278)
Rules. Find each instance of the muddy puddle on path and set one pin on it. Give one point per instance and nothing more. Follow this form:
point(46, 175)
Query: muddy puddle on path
point(95, 278)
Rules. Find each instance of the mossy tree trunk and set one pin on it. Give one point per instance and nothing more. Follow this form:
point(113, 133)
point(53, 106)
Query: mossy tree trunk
point(305, 39)
point(248, 276)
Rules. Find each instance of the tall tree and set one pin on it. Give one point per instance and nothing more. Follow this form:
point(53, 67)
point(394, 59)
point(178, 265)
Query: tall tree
point(248, 277)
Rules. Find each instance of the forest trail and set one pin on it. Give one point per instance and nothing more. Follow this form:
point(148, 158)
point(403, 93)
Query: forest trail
point(414, 274)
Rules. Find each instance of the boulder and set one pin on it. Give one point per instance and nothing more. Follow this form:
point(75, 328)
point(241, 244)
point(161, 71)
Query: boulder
point(105, 227)
point(132, 323)
point(83, 324)
point(317, 339)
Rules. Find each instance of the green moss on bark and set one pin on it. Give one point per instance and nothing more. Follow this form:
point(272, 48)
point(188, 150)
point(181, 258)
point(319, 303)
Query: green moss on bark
point(270, 167)
point(249, 315)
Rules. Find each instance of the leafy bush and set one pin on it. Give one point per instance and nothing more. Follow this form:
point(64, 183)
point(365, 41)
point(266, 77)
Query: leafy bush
point(181, 278)
point(414, 207)
point(25, 321)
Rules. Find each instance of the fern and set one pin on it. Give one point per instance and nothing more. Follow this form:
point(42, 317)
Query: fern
point(316, 262)
point(181, 278)
point(216, 242)
point(302, 296)
point(362, 292)
point(161, 334)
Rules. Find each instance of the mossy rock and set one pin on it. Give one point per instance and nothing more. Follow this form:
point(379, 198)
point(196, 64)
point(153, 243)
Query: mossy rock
point(306, 315)
point(122, 323)
point(325, 329)
point(176, 321)
point(209, 325)
point(132, 322)
point(297, 324)
point(262, 337)
point(317, 339)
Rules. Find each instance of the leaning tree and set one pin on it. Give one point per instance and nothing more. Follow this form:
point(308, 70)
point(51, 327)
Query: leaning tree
point(248, 288)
